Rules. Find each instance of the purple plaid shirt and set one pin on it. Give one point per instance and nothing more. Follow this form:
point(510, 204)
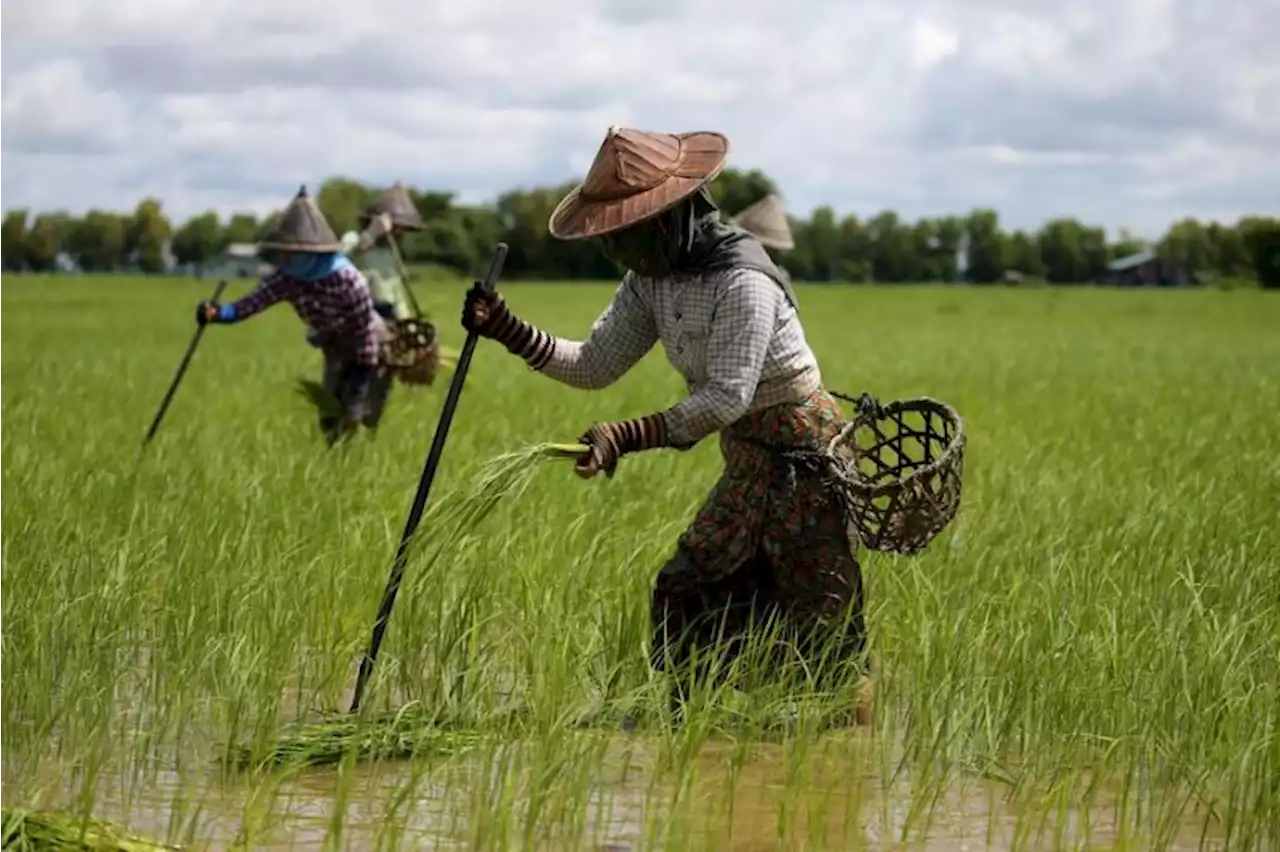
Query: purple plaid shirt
point(338, 306)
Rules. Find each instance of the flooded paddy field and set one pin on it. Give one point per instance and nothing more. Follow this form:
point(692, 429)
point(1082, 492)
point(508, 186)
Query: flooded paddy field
point(1088, 658)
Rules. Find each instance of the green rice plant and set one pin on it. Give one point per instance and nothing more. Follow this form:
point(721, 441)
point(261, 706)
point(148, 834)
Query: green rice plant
point(410, 730)
point(31, 831)
point(319, 397)
point(1085, 658)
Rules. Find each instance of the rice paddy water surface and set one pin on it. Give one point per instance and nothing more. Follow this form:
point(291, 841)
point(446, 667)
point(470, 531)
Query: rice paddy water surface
point(1089, 656)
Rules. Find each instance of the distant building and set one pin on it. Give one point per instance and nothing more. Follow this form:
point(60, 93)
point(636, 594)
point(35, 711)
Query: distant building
point(168, 263)
point(1145, 269)
point(66, 264)
point(238, 260)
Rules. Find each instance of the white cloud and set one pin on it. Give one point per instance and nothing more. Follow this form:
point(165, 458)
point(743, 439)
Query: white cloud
point(1128, 113)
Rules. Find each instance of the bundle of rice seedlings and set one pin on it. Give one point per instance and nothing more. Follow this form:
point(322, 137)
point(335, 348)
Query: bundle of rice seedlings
point(410, 730)
point(27, 831)
point(407, 732)
point(325, 403)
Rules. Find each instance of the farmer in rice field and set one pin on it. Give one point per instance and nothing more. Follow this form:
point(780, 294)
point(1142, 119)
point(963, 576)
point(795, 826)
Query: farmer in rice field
point(331, 296)
point(770, 531)
point(766, 220)
point(375, 252)
point(378, 256)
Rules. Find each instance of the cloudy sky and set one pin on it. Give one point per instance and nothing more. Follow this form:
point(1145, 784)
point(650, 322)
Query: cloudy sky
point(1125, 112)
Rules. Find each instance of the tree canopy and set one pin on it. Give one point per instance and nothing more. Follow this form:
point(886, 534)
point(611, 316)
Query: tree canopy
point(883, 248)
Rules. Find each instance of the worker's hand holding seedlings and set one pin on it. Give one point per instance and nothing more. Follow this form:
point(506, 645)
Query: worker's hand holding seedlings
point(611, 440)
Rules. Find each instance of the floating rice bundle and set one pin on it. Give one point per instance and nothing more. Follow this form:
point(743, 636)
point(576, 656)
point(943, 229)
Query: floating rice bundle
point(368, 736)
point(412, 730)
point(27, 831)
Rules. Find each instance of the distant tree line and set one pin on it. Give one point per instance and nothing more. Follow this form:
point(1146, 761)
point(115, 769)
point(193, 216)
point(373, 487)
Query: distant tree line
point(883, 248)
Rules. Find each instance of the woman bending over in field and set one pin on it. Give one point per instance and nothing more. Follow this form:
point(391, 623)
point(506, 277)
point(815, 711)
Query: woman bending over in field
point(770, 534)
point(332, 298)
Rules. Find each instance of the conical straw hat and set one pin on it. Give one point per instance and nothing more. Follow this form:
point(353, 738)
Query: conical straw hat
point(767, 221)
point(302, 227)
point(395, 202)
point(637, 175)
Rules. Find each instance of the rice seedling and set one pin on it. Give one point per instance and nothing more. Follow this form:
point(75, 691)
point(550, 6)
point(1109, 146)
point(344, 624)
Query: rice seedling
point(410, 730)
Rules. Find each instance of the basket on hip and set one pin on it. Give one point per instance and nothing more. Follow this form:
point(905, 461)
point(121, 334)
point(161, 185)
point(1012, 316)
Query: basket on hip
point(899, 468)
point(412, 352)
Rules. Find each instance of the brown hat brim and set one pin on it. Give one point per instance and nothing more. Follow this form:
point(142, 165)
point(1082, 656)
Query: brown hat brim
point(286, 245)
point(579, 218)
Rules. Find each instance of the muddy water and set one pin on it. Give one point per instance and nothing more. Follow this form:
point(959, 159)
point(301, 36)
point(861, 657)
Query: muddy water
point(733, 800)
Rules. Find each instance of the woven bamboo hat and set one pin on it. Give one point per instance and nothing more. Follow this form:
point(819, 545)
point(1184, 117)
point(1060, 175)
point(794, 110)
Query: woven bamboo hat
point(396, 203)
point(302, 227)
point(637, 175)
point(766, 220)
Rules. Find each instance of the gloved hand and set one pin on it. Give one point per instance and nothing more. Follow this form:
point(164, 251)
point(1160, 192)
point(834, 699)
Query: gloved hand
point(482, 311)
point(611, 440)
point(486, 314)
point(207, 312)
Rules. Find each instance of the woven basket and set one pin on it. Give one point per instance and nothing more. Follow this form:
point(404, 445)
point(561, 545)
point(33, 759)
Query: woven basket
point(899, 468)
point(413, 352)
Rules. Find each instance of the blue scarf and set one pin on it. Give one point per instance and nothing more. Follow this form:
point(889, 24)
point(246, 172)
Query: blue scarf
point(310, 266)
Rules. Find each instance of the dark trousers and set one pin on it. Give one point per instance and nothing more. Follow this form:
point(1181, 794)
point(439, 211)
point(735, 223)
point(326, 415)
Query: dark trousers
point(338, 379)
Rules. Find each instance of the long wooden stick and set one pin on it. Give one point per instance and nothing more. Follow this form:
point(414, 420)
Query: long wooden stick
point(404, 273)
point(182, 369)
point(489, 285)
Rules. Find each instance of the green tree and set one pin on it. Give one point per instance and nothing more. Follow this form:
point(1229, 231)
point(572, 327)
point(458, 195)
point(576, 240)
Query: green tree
point(199, 239)
point(342, 200)
point(13, 239)
point(1261, 237)
point(1062, 251)
point(1126, 244)
point(885, 248)
point(824, 240)
point(855, 251)
point(241, 228)
point(96, 242)
point(146, 235)
point(1228, 250)
point(735, 190)
point(1186, 245)
point(891, 252)
point(1022, 254)
point(1093, 242)
point(44, 241)
point(986, 260)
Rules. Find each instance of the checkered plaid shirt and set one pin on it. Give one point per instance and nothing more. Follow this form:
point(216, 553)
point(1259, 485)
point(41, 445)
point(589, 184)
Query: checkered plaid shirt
point(337, 306)
point(732, 335)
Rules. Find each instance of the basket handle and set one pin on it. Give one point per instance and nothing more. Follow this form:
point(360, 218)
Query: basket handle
point(866, 405)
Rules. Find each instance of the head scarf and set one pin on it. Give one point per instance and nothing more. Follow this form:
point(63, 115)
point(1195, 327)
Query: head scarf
point(312, 266)
point(690, 238)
